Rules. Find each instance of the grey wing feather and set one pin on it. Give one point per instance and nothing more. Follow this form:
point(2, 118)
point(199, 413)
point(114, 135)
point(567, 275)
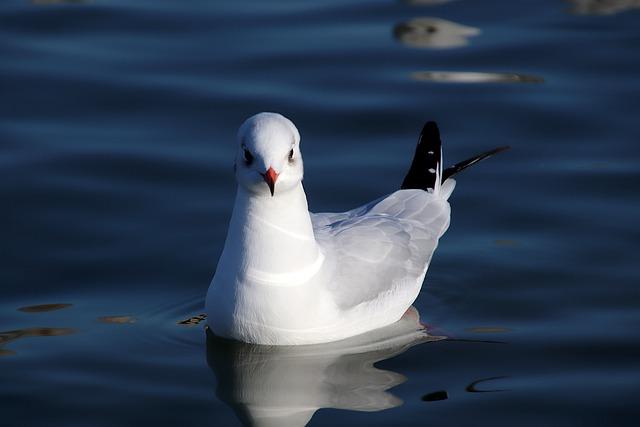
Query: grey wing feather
point(383, 246)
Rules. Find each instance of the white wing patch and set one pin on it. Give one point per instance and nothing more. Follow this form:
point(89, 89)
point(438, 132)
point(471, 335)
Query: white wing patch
point(382, 247)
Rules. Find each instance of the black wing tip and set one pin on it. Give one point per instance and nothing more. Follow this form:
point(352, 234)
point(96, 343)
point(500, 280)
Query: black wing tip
point(459, 167)
point(431, 129)
point(427, 158)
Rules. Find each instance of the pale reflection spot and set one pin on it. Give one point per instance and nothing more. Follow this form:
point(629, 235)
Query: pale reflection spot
point(474, 77)
point(602, 7)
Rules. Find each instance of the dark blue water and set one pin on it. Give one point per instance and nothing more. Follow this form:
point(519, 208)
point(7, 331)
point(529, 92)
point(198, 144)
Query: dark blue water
point(117, 124)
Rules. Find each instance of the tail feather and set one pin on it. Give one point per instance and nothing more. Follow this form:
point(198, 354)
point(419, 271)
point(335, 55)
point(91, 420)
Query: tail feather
point(458, 167)
point(426, 169)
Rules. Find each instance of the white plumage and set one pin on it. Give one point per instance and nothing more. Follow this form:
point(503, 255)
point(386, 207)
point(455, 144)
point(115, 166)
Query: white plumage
point(287, 276)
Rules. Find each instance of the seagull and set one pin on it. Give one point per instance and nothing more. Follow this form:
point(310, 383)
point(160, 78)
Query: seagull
point(288, 276)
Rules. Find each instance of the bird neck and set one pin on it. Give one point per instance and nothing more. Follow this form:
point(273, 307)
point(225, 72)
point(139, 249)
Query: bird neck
point(273, 236)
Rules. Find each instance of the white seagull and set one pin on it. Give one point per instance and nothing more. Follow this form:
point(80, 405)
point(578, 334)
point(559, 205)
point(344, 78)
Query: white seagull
point(287, 276)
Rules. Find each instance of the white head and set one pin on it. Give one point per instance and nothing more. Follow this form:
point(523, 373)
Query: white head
point(268, 161)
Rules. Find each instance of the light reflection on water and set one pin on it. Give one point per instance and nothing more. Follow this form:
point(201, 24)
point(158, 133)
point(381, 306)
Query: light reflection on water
point(602, 7)
point(474, 77)
point(285, 386)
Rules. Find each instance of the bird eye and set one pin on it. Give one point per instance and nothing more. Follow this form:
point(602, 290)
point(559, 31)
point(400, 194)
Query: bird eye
point(291, 155)
point(248, 157)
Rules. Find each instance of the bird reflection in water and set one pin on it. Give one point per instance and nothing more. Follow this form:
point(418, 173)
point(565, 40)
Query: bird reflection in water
point(286, 385)
point(433, 33)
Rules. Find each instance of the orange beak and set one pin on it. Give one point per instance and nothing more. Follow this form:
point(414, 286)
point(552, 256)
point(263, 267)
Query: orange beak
point(270, 178)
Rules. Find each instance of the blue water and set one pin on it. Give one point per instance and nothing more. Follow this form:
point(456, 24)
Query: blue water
point(117, 125)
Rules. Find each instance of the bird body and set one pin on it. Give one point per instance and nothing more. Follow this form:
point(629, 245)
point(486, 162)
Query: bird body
point(289, 277)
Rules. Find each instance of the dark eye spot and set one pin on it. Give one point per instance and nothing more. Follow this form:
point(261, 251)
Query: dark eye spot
point(291, 155)
point(248, 157)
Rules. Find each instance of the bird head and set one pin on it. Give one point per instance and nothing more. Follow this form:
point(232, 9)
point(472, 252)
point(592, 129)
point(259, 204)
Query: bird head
point(268, 160)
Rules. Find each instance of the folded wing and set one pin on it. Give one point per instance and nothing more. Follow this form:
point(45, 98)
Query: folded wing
point(380, 251)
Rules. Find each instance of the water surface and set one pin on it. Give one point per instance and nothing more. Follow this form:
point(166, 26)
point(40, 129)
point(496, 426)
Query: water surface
point(117, 132)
